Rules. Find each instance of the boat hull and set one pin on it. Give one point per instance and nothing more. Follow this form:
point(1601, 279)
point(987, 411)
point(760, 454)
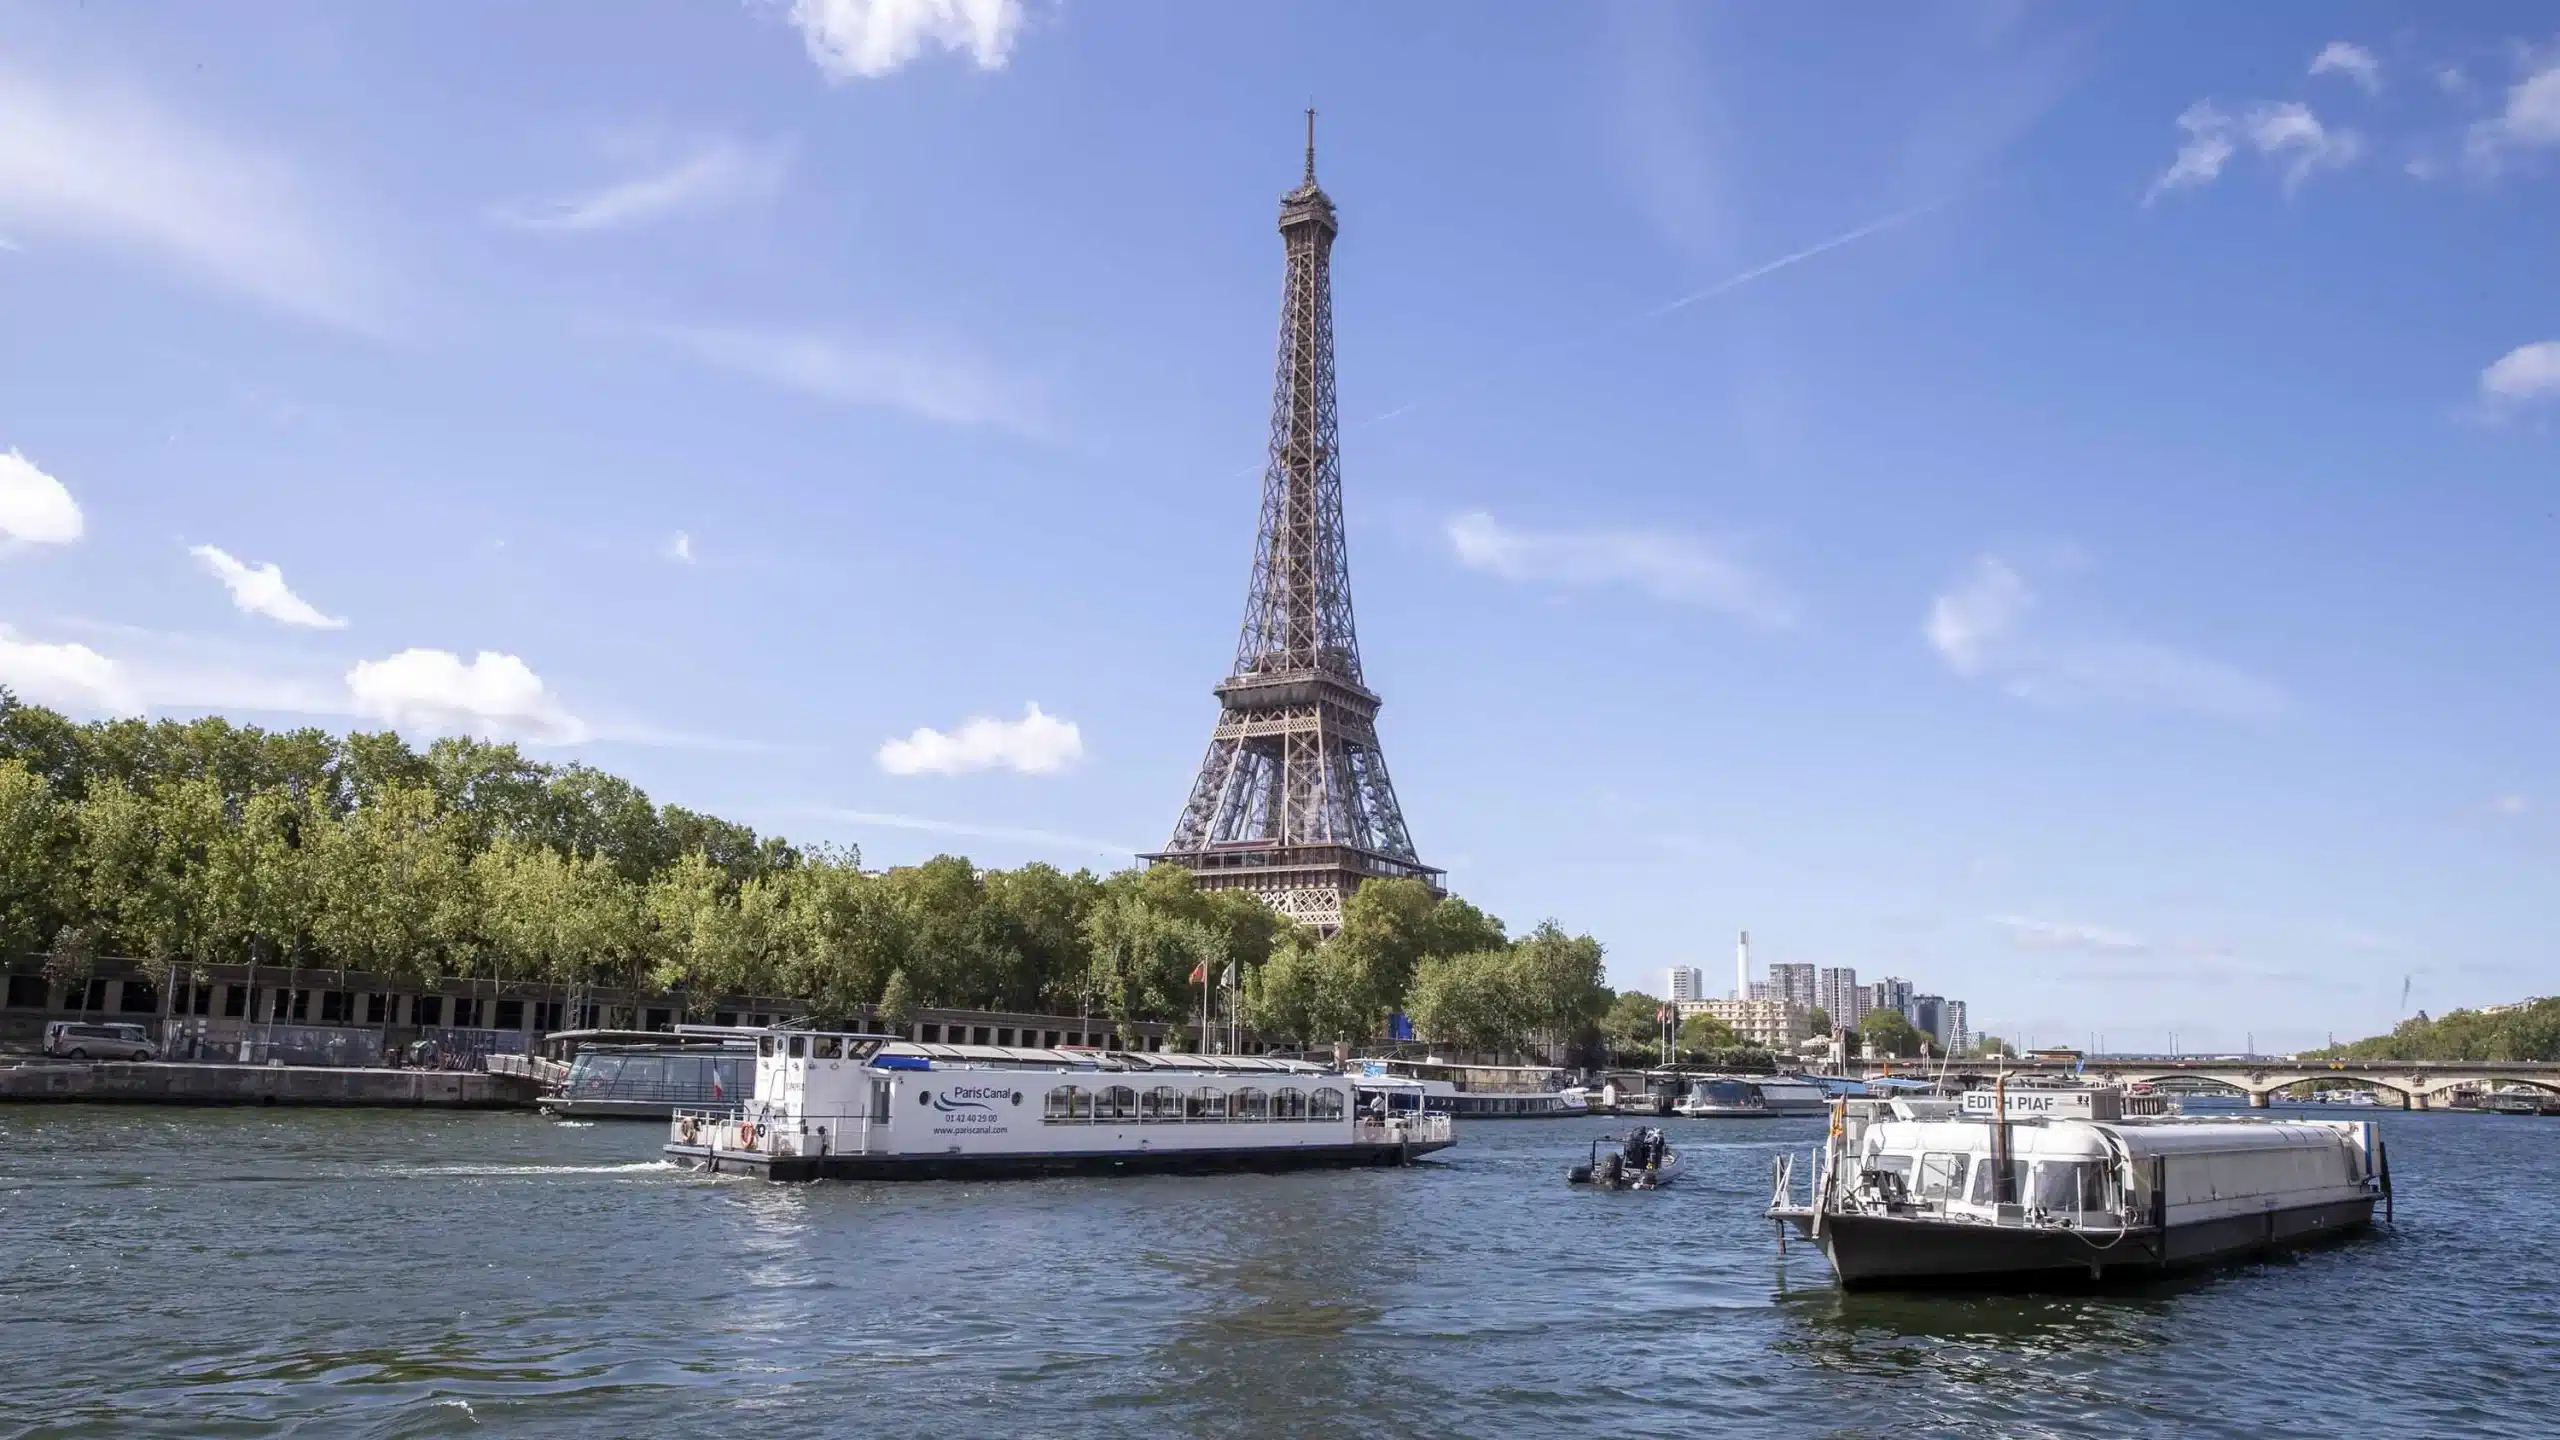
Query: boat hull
point(1026, 1167)
point(1871, 1252)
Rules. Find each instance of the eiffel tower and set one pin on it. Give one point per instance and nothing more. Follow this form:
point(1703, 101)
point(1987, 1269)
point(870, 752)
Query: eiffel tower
point(1293, 801)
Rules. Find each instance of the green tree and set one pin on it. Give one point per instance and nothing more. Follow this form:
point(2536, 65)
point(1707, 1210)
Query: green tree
point(1820, 1020)
point(35, 842)
point(1632, 1028)
point(1992, 1046)
point(1701, 1034)
point(1892, 1036)
point(897, 1007)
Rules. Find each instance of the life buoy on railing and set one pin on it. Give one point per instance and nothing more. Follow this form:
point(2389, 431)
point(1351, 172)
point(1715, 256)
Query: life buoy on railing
point(746, 1134)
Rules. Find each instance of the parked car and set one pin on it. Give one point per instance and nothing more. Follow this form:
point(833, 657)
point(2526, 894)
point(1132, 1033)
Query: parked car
point(83, 1040)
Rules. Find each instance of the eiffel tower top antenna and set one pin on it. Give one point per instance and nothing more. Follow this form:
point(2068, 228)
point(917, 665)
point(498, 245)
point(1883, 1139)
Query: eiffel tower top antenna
point(1292, 801)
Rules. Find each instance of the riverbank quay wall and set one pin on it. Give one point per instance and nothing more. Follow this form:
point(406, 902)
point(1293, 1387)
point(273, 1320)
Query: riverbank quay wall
point(217, 1007)
point(2416, 1084)
point(153, 1082)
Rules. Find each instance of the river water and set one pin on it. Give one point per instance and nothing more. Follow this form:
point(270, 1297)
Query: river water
point(194, 1272)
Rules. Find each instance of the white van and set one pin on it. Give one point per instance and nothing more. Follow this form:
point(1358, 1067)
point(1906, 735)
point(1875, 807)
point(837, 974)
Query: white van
point(84, 1040)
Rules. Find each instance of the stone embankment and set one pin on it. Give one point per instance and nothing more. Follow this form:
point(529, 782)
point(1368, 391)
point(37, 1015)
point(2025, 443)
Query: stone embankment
point(162, 1083)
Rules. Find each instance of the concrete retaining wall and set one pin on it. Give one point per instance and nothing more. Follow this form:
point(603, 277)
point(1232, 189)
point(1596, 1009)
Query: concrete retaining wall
point(155, 1083)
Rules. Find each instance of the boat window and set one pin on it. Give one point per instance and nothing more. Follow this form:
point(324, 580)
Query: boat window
point(1162, 1103)
point(826, 1047)
point(1206, 1103)
point(1325, 1105)
point(1985, 1175)
point(1117, 1103)
point(1066, 1105)
point(799, 1046)
point(2071, 1186)
point(1288, 1103)
point(1942, 1175)
point(1897, 1164)
point(764, 1045)
point(1250, 1103)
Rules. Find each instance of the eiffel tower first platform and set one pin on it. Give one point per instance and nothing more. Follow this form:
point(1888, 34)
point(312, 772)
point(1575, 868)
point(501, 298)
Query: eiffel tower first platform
point(1293, 801)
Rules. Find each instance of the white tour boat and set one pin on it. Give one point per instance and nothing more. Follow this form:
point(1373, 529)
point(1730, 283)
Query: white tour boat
point(1749, 1097)
point(2040, 1186)
point(1487, 1092)
point(870, 1107)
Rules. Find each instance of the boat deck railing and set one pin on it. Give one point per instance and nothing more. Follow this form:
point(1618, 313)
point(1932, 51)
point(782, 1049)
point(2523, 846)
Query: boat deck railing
point(751, 1131)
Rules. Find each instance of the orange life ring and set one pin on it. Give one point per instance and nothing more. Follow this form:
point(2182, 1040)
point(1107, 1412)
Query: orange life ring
point(746, 1134)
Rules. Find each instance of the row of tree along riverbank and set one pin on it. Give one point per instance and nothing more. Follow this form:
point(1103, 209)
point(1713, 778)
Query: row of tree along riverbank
point(203, 842)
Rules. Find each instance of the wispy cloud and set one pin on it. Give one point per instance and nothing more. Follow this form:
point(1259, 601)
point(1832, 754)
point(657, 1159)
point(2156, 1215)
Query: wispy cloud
point(1037, 744)
point(1014, 834)
point(1988, 625)
point(866, 39)
point(260, 590)
point(939, 388)
point(708, 174)
point(2033, 934)
point(2288, 135)
point(2510, 805)
point(679, 548)
point(2527, 376)
point(66, 676)
point(35, 508)
point(2342, 57)
point(108, 167)
point(1666, 565)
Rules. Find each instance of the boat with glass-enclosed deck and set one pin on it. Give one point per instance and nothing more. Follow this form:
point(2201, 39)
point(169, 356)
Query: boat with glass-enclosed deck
point(859, 1106)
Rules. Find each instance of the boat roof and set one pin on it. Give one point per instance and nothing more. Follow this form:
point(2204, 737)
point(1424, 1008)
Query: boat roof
point(1079, 1058)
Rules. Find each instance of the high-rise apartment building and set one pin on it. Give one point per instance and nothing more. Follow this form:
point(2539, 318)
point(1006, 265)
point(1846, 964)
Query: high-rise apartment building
point(1837, 991)
point(1795, 983)
point(1687, 983)
point(1928, 1015)
point(1891, 993)
point(1959, 1028)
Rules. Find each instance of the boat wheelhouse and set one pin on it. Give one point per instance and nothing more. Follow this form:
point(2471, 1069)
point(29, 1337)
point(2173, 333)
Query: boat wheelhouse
point(2046, 1186)
point(643, 1075)
point(857, 1106)
point(1487, 1092)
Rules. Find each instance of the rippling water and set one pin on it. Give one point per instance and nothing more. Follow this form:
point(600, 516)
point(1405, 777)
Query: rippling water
point(393, 1273)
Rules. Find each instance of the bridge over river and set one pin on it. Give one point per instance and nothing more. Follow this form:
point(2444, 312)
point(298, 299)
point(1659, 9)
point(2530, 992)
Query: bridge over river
point(2418, 1084)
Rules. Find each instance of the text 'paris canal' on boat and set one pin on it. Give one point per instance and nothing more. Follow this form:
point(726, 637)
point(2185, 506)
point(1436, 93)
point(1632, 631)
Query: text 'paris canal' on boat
point(1487, 1092)
point(876, 1107)
point(2045, 1186)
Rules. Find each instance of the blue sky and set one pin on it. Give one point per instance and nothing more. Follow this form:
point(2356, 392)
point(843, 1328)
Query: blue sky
point(2057, 502)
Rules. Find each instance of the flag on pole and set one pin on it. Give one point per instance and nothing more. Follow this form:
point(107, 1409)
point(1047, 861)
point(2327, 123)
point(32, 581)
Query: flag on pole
point(1228, 979)
point(1199, 972)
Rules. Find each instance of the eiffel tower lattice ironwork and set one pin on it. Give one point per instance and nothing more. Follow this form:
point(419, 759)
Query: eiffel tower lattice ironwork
point(1293, 801)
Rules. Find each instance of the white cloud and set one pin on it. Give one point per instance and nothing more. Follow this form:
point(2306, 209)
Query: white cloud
point(1988, 625)
point(1036, 744)
point(679, 547)
point(2287, 134)
point(2339, 57)
point(494, 694)
point(260, 590)
point(35, 509)
point(2526, 375)
point(2035, 934)
point(2451, 80)
point(1016, 834)
point(865, 39)
point(111, 168)
point(2530, 119)
point(67, 677)
point(714, 173)
point(2510, 805)
point(949, 391)
point(2207, 148)
point(1965, 622)
point(1663, 565)
point(2290, 133)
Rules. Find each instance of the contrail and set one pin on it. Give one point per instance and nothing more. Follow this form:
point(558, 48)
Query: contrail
point(1722, 287)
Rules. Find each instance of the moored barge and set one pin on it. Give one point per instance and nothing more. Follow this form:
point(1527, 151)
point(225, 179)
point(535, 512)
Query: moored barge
point(2017, 1187)
point(871, 1107)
